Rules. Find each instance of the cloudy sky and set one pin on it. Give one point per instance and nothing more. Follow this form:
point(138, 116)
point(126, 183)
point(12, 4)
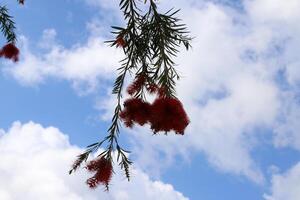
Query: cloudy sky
point(240, 86)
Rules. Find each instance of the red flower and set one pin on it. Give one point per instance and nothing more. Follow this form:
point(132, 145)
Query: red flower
point(152, 88)
point(135, 110)
point(10, 51)
point(103, 169)
point(120, 42)
point(136, 85)
point(162, 92)
point(168, 114)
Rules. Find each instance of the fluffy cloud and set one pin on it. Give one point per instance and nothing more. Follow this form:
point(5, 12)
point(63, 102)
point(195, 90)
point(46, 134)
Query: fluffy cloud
point(82, 64)
point(286, 186)
point(241, 74)
point(35, 163)
point(282, 19)
point(274, 11)
point(287, 129)
point(229, 94)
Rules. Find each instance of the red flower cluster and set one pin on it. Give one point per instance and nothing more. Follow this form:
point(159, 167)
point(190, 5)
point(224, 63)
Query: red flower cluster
point(135, 110)
point(152, 88)
point(136, 85)
point(103, 169)
point(10, 51)
point(120, 42)
point(168, 114)
point(164, 114)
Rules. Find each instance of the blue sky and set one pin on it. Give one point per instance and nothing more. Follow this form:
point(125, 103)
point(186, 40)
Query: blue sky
point(240, 87)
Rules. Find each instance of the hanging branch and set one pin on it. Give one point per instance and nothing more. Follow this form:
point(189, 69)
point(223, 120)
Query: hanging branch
point(8, 28)
point(149, 41)
point(7, 25)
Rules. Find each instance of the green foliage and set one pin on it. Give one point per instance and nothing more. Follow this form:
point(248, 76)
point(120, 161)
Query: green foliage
point(150, 41)
point(7, 25)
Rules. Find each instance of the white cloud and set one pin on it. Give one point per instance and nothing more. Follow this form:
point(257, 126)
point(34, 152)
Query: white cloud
point(285, 186)
point(274, 11)
point(35, 163)
point(107, 4)
point(81, 64)
point(48, 39)
point(228, 96)
point(287, 130)
point(281, 19)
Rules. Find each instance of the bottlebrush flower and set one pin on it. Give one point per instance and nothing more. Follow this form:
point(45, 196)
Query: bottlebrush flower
point(152, 88)
point(135, 111)
point(168, 114)
point(103, 169)
point(162, 92)
point(136, 85)
point(120, 42)
point(10, 51)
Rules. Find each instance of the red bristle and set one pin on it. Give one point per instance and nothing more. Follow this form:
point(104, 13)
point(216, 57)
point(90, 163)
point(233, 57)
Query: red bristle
point(168, 114)
point(10, 51)
point(103, 169)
